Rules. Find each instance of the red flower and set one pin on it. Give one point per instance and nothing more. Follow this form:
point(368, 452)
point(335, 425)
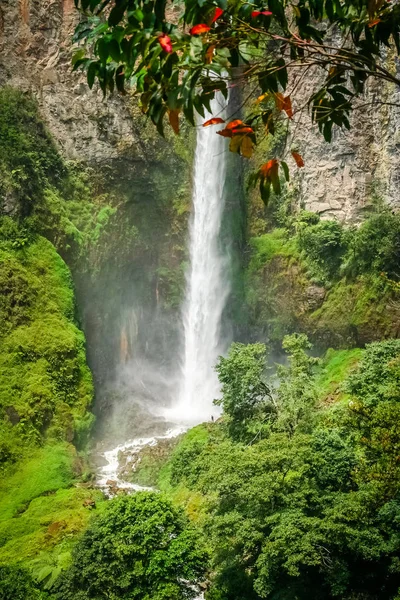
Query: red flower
point(165, 43)
point(217, 13)
point(199, 29)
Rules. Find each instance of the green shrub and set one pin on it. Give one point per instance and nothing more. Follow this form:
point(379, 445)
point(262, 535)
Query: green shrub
point(141, 547)
point(322, 247)
point(29, 160)
point(17, 584)
point(375, 247)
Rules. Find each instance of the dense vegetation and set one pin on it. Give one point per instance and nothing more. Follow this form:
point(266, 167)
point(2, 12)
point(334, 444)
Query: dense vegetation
point(141, 547)
point(337, 283)
point(304, 502)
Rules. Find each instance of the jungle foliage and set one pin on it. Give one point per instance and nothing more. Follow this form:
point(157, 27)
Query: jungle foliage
point(335, 282)
point(304, 512)
point(140, 547)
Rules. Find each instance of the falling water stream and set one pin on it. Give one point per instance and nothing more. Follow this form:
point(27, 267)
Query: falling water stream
point(207, 290)
point(207, 286)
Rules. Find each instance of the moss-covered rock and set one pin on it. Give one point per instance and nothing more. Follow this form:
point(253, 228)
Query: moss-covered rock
point(45, 385)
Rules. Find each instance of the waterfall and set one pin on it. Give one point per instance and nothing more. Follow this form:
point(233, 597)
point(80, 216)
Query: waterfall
point(207, 283)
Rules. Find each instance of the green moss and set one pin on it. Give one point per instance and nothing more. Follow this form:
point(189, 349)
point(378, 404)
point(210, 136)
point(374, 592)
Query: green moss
point(40, 511)
point(336, 366)
point(45, 384)
point(357, 312)
point(268, 246)
point(28, 157)
point(151, 461)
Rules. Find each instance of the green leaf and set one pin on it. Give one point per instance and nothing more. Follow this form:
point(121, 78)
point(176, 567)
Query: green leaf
point(102, 49)
point(91, 73)
point(285, 170)
point(116, 15)
point(265, 190)
point(114, 50)
point(78, 56)
point(120, 79)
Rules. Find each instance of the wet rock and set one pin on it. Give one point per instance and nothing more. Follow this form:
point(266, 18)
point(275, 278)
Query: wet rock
point(314, 296)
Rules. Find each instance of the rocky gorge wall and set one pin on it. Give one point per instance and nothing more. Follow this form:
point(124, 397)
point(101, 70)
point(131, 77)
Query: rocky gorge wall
point(141, 180)
point(358, 170)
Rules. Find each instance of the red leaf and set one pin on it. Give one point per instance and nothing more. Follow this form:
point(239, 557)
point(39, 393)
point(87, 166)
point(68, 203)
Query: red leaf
point(213, 121)
point(299, 159)
point(165, 43)
point(257, 13)
point(242, 130)
point(217, 13)
point(173, 116)
point(288, 107)
point(284, 103)
point(210, 54)
point(199, 29)
point(225, 133)
point(374, 22)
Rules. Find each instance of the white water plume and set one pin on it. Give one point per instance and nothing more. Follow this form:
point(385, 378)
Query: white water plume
point(207, 286)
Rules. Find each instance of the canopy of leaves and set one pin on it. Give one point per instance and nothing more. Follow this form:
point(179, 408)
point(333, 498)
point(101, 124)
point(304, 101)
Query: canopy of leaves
point(245, 395)
point(175, 70)
point(140, 547)
point(17, 584)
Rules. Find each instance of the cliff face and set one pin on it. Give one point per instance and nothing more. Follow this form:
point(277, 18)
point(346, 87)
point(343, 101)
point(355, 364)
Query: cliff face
point(342, 179)
point(35, 56)
point(136, 268)
point(360, 168)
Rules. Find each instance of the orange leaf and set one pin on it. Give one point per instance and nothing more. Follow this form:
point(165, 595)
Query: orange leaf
point(242, 130)
point(257, 13)
point(165, 43)
point(210, 54)
point(234, 124)
point(199, 29)
point(213, 121)
point(374, 22)
point(217, 13)
point(299, 159)
point(284, 103)
point(268, 168)
point(261, 98)
point(173, 116)
point(279, 101)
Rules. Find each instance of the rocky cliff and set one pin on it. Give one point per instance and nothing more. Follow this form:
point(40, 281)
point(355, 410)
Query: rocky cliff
point(360, 169)
point(35, 56)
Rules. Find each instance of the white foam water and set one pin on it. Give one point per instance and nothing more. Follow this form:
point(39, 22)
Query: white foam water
point(108, 475)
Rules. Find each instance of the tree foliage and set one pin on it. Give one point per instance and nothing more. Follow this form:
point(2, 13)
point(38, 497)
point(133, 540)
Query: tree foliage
point(245, 395)
point(17, 584)
point(140, 547)
point(176, 63)
point(313, 512)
